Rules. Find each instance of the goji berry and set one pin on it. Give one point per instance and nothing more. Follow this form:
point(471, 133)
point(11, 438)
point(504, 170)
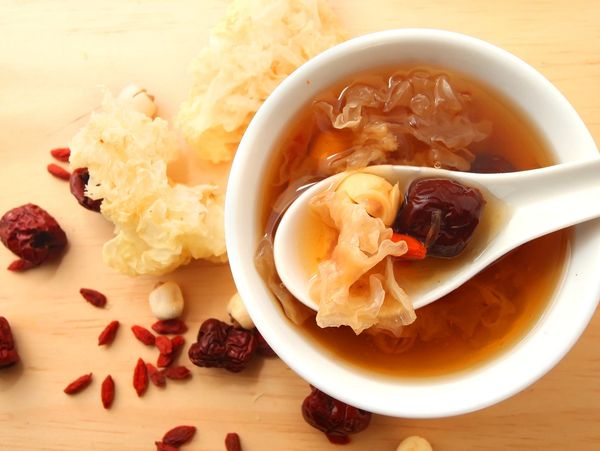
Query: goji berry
point(179, 436)
point(8, 353)
point(61, 154)
point(232, 442)
point(32, 234)
point(178, 341)
point(94, 297)
point(20, 265)
point(164, 344)
point(107, 336)
point(160, 446)
point(178, 373)
point(157, 377)
point(144, 335)
point(169, 327)
point(58, 172)
point(140, 377)
point(107, 392)
point(78, 384)
point(165, 360)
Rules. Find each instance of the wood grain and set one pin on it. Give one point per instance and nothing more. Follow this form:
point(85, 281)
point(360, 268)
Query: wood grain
point(53, 56)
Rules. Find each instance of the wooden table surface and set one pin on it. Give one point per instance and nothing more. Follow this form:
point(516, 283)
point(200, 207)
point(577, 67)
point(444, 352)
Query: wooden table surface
point(53, 56)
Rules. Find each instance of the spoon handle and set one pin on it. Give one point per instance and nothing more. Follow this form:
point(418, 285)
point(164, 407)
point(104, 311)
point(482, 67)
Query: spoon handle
point(549, 199)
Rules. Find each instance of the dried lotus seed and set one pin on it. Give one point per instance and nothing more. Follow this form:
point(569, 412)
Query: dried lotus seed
point(379, 198)
point(414, 443)
point(166, 301)
point(137, 99)
point(237, 311)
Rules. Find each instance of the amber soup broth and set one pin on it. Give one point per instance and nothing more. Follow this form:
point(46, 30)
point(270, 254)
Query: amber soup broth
point(528, 276)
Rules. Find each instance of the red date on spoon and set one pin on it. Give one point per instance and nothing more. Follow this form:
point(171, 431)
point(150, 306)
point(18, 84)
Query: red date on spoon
point(441, 213)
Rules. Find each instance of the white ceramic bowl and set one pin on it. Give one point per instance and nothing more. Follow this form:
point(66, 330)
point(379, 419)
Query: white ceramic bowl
point(560, 325)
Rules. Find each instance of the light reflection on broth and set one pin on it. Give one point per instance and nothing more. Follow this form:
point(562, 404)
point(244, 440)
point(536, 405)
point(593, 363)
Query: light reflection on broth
point(487, 314)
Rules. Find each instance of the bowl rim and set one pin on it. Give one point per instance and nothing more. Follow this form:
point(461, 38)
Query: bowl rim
point(387, 396)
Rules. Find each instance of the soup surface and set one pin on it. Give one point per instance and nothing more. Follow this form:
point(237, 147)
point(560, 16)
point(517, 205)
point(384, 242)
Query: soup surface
point(490, 312)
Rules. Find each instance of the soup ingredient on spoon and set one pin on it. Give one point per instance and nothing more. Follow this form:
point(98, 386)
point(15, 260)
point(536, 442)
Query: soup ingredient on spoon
point(346, 290)
point(166, 300)
point(375, 194)
point(32, 234)
point(442, 213)
point(356, 283)
point(257, 45)
point(159, 225)
point(8, 352)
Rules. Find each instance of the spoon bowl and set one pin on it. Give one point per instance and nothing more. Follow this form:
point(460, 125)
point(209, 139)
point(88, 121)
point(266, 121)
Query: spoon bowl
point(521, 206)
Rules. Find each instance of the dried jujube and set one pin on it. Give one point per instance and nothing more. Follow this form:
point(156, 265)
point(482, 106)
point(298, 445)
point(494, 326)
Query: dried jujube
point(32, 234)
point(262, 347)
point(8, 353)
point(77, 183)
point(336, 419)
point(221, 345)
point(441, 213)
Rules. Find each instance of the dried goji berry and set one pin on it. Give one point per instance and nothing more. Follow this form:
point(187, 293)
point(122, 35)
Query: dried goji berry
point(178, 373)
point(157, 377)
point(94, 297)
point(58, 172)
point(78, 384)
point(77, 183)
point(61, 154)
point(221, 345)
point(144, 335)
point(179, 436)
point(108, 334)
point(20, 265)
point(140, 377)
point(108, 392)
point(32, 234)
point(164, 344)
point(165, 360)
point(177, 342)
point(8, 353)
point(169, 327)
point(232, 442)
point(160, 446)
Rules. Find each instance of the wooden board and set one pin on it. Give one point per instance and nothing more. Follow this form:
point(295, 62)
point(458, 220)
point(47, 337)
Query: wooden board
point(53, 55)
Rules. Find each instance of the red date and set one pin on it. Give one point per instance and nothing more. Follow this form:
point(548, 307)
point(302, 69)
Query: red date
point(32, 234)
point(221, 345)
point(77, 183)
point(336, 419)
point(441, 213)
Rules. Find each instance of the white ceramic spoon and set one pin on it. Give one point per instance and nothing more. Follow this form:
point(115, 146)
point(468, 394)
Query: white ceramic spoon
point(531, 204)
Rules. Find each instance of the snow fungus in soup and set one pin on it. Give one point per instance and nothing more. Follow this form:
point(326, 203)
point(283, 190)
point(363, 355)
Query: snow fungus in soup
point(422, 116)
